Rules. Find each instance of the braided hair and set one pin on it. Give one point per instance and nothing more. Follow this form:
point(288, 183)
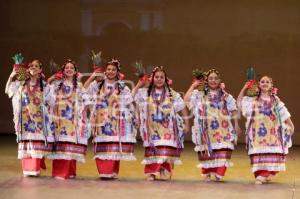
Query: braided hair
point(158, 69)
point(75, 82)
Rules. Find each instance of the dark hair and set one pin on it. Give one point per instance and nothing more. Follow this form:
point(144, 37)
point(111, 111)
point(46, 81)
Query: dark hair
point(207, 74)
point(158, 69)
point(75, 76)
point(42, 78)
point(116, 63)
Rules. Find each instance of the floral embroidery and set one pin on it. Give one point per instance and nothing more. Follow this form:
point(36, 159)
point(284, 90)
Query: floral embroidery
point(63, 131)
point(68, 113)
point(155, 136)
point(36, 101)
point(225, 124)
point(30, 126)
point(25, 100)
point(107, 129)
point(262, 130)
point(214, 124)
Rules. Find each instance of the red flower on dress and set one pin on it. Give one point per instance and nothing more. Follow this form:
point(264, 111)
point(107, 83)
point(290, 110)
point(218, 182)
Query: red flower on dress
point(36, 101)
point(224, 124)
point(167, 136)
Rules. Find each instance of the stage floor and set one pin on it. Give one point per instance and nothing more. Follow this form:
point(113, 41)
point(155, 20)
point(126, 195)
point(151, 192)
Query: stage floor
point(186, 182)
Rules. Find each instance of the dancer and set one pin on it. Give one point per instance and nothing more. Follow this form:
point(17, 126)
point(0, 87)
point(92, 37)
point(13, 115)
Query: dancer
point(268, 130)
point(114, 128)
point(31, 119)
point(213, 133)
point(68, 102)
point(161, 126)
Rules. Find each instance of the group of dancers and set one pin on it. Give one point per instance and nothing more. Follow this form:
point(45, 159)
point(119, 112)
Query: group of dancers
point(55, 118)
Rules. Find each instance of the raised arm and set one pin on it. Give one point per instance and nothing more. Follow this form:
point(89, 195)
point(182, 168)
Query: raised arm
point(10, 79)
point(185, 116)
point(137, 86)
point(241, 94)
point(189, 92)
point(95, 75)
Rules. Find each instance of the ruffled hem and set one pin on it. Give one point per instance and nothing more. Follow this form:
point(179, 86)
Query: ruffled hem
point(114, 139)
point(260, 150)
point(162, 143)
point(216, 147)
point(175, 161)
point(273, 167)
point(125, 157)
point(66, 157)
point(72, 140)
point(215, 164)
point(31, 155)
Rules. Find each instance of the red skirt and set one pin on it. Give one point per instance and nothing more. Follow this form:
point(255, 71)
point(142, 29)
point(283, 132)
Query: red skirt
point(64, 168)
point(32, 166)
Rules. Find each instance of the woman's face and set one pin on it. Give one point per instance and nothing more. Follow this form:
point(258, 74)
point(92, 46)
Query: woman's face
point(111, 72)
point(265, 84)
point(69, 70)
point(159, 79)
point(35, 68)
point(213, 81)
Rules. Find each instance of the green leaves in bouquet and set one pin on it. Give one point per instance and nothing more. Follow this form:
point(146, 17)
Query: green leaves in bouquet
point(18, 58)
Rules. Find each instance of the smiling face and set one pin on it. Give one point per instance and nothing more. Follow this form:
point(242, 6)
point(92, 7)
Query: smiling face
point(265, 84)
point(69, 70)
point(159, 79)
point(213, 81)
point(111, 72)
point(35, 68)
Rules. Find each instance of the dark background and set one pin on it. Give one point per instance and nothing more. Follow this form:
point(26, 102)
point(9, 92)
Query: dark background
point(180, 35)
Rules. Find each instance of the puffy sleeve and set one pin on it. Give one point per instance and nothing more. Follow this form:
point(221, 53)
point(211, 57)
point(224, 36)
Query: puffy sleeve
point(93, 88)
point(50, 93)
point(13, 88)
point(126, 96)
point(283, 111)
point(140, 95)
point(246, 105)
point(178, 102)
point(231, 103)
point(84, 96)
point(193, 100)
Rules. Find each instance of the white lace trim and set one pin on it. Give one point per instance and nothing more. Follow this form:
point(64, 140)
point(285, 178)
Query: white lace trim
point(266, 149)
point(66, 157)
point(83, 141)
point(22, 155)
point(171, 143)
point(215, 146)
point(125, 157)
point(268, 167)
point(214, 164)
point(114, 139)
point(161, 160)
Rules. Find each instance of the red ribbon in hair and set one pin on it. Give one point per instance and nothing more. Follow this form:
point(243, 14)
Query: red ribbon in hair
point(121, 76)
point(59, 75)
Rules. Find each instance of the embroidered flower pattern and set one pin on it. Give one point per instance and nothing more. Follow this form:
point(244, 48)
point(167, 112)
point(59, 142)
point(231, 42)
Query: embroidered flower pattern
point(262, 130)
point(67, 113)
point(25, 100)
point(30, 126)
point(107, 129)
point(214, 124)
point(36, 101)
